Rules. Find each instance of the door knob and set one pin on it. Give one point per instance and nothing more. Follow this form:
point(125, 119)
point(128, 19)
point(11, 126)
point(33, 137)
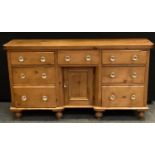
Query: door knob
point(65, 86)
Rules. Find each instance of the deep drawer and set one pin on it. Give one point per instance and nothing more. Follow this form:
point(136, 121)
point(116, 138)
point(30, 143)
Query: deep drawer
point(122, 96)
point(40, 97)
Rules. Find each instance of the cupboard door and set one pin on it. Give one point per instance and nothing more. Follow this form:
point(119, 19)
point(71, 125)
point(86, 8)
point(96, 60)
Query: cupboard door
point(78, 86)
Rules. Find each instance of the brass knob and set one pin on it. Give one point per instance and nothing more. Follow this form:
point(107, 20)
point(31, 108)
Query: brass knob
point(44, 98)
point(133, 97)
point(112, 75)
point(21, 59)
point(24, 98)
point(42, 59)
point(88, 57)
point(134, 75)
point(135, 58)
point(112, 58)
point(67, 58)
point(112, 97)
point(44, 76)
point(65, 86)
point(22, 76)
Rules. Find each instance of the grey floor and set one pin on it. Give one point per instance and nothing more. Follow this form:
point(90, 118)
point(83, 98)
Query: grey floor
point(75, 116)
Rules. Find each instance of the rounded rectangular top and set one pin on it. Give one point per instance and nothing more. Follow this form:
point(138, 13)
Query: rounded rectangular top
point(78, 43)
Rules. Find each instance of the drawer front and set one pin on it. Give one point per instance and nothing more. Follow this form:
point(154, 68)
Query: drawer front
point(122, 96)
point(35, 97)
point(123, 75)
point(124, 57)
point(33, 76)
point(78, 57)
point(34, 58)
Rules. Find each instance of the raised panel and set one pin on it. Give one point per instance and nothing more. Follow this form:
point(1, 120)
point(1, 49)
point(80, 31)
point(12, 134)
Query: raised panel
point(78, 86)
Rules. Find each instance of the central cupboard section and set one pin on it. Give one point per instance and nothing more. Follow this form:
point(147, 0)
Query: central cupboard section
point(79, 71)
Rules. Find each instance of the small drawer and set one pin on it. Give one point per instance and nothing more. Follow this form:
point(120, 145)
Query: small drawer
point(33, 76)
point(40, 97)
point(32, 58)
point(123, 96)
point(123, 75)
point(124, 57)
point(78, 57)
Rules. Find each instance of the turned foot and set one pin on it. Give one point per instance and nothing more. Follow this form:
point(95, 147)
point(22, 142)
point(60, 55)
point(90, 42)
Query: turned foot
point(58, 115)
point(141, 114)
point(18, 114)
point(98, 115)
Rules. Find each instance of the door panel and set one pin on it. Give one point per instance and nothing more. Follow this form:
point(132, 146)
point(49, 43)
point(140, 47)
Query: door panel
point(78, 86)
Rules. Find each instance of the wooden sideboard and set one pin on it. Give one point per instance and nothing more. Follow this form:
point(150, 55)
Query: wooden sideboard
point(103, 74)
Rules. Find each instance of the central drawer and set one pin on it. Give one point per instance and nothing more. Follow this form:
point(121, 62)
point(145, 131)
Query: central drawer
point(35, 97)
point(123, 75)
point(78, 57)
point(33, 75)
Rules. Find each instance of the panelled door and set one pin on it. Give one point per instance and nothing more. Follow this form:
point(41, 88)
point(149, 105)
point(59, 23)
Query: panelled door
point(78, 86)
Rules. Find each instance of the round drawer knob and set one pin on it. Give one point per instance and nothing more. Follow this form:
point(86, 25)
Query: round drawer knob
point(134, 75)
point(112, 58)
point(135, 58)
point(22, 76)
point(67, 58)
point(24, 98)
point(112, 75)
point(42, 59)
point(21, 59)
point(133, 97)
point(112, 97)
point(88, 58)
point(44, 76)
point(44, 98)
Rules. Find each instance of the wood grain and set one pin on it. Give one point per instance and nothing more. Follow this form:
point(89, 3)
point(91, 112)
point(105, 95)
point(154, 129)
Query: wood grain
point(78, 43)
point(103, 74)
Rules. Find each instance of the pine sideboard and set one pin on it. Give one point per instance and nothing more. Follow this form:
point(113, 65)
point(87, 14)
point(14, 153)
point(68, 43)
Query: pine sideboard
point(54, 74)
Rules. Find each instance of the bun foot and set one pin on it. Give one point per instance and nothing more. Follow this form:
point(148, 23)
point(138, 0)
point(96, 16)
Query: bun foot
point(18, 115)
point(141, 114)
point(98, 115)
point(58, 115)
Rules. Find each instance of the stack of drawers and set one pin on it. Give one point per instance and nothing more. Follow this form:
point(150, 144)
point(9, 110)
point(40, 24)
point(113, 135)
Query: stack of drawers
point(100, 74)
point(33, 79)
point(123, 78)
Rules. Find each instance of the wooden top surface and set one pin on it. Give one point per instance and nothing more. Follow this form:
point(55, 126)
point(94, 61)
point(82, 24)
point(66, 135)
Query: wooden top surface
point(64, 43)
